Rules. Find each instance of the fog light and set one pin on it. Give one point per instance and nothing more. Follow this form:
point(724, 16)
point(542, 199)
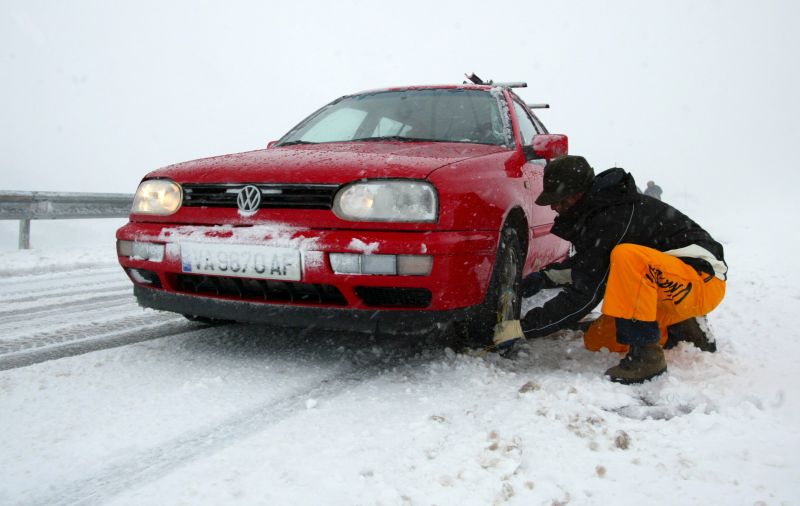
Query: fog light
point(124, 248)
point(148, 251)
point(141, 250)
point(346, 263)
point(379, 264)
point(387, 265)
point(414, 265)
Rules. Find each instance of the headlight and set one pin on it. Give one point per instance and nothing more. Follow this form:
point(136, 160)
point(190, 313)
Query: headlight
point(157, 196)
point(402, 201)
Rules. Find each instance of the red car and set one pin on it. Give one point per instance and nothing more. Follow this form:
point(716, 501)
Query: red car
point(395, 210)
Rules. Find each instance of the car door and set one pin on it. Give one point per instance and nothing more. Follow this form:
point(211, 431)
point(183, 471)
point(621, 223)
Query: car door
point(543, 248)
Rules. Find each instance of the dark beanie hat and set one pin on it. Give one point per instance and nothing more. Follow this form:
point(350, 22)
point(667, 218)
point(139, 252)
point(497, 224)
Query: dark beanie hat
point(563, 177)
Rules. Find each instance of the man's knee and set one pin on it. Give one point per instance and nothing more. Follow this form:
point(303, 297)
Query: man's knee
point(627, 251)
point(631, 255)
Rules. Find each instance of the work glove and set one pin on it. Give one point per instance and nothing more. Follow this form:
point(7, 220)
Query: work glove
point(532, 283)
point(507, 334)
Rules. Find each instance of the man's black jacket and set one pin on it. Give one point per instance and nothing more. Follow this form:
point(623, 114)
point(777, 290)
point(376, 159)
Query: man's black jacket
point(613, 212)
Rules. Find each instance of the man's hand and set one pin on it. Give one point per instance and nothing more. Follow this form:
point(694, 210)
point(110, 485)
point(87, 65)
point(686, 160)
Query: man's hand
point(533, 283)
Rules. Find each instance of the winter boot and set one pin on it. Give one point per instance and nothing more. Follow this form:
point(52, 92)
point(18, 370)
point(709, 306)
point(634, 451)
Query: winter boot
point(693, 330)
point(643, 362)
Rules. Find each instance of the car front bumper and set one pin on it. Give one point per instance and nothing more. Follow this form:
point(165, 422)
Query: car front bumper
point(459, 278)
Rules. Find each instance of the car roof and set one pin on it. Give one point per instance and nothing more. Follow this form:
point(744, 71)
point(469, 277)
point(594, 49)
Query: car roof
point(480, 87)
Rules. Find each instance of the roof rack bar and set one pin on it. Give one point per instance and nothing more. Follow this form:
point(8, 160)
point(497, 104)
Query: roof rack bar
point(539, 106)
point(474, 79)
point(516, 84)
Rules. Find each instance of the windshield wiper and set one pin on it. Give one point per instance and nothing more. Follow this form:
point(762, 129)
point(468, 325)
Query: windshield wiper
point(294, 143)
point(400, 138)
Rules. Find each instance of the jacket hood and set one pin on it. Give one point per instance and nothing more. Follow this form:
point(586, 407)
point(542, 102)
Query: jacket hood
point(612, 184)
point(326, 163)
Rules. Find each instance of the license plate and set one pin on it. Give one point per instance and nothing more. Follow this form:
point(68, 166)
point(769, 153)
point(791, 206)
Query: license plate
point(241, 261)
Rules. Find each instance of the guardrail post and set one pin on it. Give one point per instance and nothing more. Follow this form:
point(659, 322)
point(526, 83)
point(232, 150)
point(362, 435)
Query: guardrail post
point(24, 234)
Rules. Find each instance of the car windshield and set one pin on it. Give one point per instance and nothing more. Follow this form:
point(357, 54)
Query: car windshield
point(432, 115)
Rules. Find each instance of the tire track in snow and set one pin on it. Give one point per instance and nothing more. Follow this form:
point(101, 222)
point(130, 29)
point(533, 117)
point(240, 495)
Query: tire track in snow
point(151, 464)
point(89, 302)
point(24, 284)
point(84, 334)
point(64, 321)
point(55, 345)
point(86, 329)
point(73, 290)
point(71, 312)
point(19, 275)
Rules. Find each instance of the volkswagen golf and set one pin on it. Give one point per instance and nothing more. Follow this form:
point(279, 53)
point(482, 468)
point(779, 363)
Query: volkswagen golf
point(395, 210)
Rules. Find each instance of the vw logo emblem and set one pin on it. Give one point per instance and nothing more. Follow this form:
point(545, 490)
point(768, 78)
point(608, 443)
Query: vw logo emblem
point(249, 199)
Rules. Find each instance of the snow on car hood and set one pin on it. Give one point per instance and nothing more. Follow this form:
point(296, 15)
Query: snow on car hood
point(326, 163)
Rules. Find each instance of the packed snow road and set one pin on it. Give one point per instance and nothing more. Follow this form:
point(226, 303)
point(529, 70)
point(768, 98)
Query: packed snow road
point(69, 312)
point(102, 402)
point(169, 413)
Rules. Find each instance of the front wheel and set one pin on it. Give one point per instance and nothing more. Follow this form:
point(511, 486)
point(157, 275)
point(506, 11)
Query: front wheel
point(478, 329)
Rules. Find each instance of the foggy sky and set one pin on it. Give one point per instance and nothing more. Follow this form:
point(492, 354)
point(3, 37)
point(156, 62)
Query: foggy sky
point(701, 96)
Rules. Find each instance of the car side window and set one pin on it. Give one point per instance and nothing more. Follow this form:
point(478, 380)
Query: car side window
point(526, 126)
point(539, 126)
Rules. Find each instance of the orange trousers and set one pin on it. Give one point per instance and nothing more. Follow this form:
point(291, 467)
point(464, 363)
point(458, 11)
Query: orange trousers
point(646, 285)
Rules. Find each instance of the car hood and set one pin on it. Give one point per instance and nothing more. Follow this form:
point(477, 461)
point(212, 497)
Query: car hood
point(326, 163)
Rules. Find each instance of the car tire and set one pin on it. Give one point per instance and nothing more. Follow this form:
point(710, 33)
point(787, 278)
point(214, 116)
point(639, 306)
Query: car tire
point(478, 328)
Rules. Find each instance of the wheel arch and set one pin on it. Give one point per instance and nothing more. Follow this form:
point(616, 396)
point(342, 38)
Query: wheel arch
point(516, 219)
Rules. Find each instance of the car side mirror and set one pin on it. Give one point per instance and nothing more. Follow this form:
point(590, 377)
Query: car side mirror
point(271, 144)
point(549, 146)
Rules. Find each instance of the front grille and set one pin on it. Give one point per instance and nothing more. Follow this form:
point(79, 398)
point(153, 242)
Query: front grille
point(273, 196)
point(374, 296)
point(261, 289)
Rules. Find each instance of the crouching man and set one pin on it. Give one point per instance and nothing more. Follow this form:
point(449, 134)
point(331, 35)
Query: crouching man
point(654, 267)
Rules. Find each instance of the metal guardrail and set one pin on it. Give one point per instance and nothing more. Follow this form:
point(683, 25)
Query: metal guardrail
point(27, 206)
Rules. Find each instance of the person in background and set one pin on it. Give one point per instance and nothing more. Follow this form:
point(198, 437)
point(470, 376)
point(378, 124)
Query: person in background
point(653, 190)
point(653, 267)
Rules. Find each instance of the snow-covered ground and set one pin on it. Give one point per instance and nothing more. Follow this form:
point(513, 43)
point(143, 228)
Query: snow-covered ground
point(249, 415)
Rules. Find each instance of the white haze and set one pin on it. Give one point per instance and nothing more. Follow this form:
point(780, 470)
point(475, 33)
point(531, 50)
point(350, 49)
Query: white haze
point(699, 96)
